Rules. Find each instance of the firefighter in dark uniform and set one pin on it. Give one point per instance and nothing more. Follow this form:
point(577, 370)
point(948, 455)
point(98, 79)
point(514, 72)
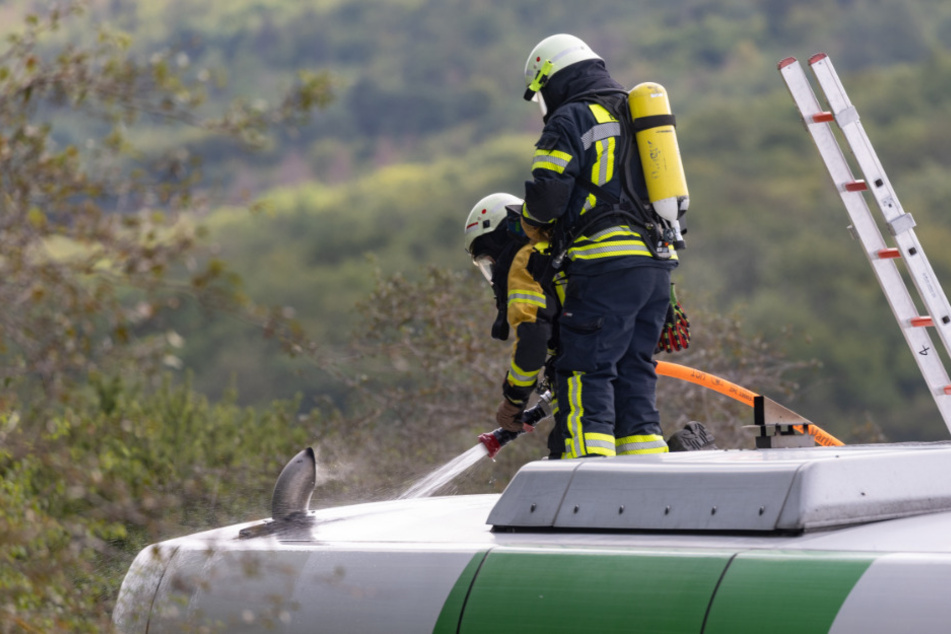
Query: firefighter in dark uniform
point(618, 290)
point(507, 259)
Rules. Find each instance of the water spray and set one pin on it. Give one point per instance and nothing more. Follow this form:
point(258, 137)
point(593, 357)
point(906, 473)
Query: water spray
point(495, 440)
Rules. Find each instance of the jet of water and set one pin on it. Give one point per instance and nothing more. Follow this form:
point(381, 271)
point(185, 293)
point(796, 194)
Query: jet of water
point(446, 473)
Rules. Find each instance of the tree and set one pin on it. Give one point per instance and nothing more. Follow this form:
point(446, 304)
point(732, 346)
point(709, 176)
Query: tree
point(98, 240)
point(95, 235)
point(429, 375)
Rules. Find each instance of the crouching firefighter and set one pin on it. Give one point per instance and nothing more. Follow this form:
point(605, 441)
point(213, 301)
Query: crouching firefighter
point(586, 191)
point(507, 259)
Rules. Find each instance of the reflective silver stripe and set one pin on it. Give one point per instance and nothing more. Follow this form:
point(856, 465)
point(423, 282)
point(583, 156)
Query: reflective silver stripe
point(604, 232)
point(607, 251)
point(604, 162)
point(600, 132)
point(522, 379)
point(536, 299)
point(549, 158)
point(640, 446)
point(595, 442)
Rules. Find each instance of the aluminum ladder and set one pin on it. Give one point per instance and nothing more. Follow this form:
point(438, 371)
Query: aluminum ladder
point(900, 225)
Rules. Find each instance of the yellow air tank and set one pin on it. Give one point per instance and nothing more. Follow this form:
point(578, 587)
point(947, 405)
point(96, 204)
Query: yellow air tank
point(660, 154)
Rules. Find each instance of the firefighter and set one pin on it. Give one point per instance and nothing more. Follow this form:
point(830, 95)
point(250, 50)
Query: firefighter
point(618, 289)
point(507, 258)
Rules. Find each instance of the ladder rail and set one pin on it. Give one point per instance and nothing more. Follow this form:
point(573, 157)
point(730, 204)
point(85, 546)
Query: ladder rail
point(900, 224)
point(881, 258)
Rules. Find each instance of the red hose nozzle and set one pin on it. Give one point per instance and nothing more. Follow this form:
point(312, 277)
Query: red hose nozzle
point(492, 444)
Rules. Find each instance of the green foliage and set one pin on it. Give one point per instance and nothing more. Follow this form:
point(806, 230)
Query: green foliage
point(110, 114)
point(92, 246)
point(84, 488)
point(313, 248)
point(767, 239)
point(95, 251)
point(429, 376)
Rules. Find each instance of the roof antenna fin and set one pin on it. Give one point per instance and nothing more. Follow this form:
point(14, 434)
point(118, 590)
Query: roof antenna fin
point(295, 486)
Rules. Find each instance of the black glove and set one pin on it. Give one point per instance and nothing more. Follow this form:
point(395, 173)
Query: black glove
point(675, 334)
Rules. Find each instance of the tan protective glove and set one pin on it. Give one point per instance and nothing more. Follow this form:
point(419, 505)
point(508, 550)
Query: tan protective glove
point(536, 234)
point(509, 416)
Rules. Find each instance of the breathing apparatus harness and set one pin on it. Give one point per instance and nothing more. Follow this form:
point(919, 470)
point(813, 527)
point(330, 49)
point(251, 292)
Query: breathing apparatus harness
point(629, 209)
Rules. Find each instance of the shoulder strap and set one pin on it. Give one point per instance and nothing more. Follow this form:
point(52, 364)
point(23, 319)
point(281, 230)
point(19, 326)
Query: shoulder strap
point(617, 105)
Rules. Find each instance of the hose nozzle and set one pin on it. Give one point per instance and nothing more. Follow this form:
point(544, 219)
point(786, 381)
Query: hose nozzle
point(495, 440)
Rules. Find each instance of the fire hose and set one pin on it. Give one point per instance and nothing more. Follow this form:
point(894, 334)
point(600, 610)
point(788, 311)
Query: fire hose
point(741, 394)
point(495, 440)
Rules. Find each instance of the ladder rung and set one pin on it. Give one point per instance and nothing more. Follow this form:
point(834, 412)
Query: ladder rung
point(920, 322)
point(857, 186)
point(823, 117)
point(887, 254)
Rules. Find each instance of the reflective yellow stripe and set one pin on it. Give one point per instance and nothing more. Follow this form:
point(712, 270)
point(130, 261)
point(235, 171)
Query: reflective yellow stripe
point(603, 169)
point(553, 160)
point(527, 297)
point(611, 242)
point(603, 136)
point(649, 443)
point(599, 444)
point(601, 115)
point(519, 377)
point(589, 202)
point(574, 444)
point(560, 282)
point(611, 233)
point(610, 250)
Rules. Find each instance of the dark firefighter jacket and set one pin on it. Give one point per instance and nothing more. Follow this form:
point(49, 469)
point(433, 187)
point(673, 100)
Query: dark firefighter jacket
point(532, 311)
point(579, 144)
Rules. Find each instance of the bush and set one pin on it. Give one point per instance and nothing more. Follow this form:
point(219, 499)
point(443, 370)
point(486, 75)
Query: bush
point(84, 489)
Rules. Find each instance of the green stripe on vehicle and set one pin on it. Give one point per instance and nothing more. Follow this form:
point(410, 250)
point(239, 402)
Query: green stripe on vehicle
point(588, 590)
point(784, 592)
point(448, 621)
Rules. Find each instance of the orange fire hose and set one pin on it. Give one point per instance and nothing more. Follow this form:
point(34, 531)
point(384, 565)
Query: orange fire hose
point(734, 391)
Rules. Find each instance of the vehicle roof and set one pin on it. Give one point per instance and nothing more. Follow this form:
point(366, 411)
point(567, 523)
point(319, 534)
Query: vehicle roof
point(427, 564)
point(876, 497)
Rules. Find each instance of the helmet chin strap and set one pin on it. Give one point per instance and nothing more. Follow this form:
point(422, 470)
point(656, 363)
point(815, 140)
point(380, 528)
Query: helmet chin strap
point(540, 100)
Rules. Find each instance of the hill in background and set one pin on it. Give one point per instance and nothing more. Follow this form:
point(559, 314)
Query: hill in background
point(429, 119)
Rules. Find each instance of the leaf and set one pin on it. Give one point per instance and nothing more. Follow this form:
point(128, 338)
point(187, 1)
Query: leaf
point(36, 217)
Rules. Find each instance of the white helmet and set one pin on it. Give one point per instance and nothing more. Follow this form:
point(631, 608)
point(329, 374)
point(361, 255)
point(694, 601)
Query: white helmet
point(548, 57)
point(486, 216)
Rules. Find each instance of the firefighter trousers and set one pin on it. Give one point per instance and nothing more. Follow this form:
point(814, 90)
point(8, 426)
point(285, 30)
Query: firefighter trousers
point(605, 377)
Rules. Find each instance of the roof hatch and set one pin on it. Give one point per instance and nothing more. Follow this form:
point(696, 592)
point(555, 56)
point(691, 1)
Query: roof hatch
point(764, 490)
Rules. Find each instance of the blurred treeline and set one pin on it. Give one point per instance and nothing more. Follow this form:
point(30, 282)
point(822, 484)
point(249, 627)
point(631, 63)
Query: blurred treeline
point(148, 389)
point(429, 119)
